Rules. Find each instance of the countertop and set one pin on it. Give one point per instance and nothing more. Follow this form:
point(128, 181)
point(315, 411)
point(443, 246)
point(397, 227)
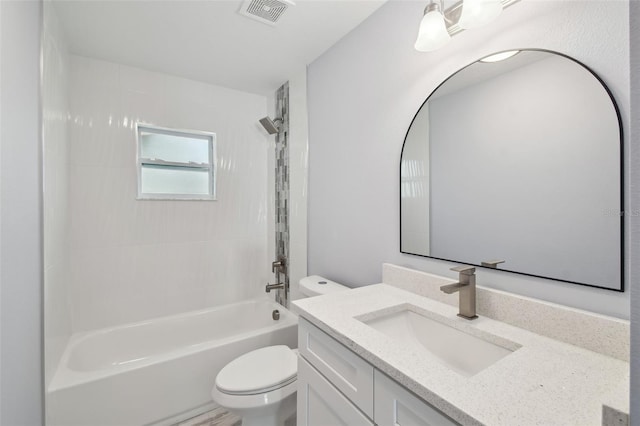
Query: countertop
point(543, 382)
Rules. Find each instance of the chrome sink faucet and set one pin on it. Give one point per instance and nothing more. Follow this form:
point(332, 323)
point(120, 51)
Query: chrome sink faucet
point(466, 286)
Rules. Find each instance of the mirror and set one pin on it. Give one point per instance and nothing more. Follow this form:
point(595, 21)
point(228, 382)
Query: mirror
point(517, 163)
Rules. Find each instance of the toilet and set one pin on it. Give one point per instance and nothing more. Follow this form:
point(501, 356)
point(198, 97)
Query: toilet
point(260, 386)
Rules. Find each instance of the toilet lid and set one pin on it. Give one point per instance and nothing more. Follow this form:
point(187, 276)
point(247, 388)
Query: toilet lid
point(263, 369)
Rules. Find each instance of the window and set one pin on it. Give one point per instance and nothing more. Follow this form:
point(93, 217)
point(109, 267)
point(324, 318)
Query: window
point(175, 164)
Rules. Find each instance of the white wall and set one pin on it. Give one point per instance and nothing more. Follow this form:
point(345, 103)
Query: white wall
point(132, 260)
point(362, 100)
point(634, 191)
point(20, 215)
point(55, 138)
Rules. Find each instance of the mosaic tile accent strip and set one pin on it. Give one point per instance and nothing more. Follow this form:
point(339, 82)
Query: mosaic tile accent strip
point(282, 188)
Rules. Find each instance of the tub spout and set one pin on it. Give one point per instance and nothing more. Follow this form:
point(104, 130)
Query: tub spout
point(270, 287)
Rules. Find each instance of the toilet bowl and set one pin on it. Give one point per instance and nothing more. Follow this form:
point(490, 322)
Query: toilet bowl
point(260, 386)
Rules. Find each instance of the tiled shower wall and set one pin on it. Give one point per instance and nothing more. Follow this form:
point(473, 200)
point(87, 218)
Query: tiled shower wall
point(282, 180)
point(55, 137)
point(295, 157)
point(132, 260)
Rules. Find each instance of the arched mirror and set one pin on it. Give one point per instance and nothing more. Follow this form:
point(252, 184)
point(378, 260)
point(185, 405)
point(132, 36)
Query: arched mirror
point(514, 163)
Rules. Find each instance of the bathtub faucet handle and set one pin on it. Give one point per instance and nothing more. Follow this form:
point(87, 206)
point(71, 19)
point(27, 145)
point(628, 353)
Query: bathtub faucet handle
point(270, 287)
point(279, 264)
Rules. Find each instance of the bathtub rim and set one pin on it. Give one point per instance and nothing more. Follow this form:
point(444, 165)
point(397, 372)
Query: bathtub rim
point(66, 378)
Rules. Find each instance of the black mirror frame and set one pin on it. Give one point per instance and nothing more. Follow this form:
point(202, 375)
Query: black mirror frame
point(622, 186)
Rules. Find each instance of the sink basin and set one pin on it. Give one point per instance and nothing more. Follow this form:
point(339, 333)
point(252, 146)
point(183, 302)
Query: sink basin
point(462, 352)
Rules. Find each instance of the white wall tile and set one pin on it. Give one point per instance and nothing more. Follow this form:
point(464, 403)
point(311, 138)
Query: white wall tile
point(149, 108)
point(88, 72)
point(96, 128)
point(141, 81)
point(97, 288)
point(100, 198)
point(134, 259)
point(55, 135)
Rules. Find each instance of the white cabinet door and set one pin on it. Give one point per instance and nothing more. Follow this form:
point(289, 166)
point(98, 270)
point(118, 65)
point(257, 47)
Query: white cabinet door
point(396, 406)
point(352, 375)
point(321, 404)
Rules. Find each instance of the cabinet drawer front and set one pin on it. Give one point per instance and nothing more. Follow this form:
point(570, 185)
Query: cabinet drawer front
point(352, 375)
point(321, 404)
point(396, 406)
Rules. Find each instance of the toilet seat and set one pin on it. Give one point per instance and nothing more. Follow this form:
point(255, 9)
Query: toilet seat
point(260, 371)
point(256, 401)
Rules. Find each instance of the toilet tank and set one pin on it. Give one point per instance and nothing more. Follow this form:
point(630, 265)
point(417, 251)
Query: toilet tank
point(316, 285)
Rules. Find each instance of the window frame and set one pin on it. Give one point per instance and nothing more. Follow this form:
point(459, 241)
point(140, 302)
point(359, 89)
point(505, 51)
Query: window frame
point(211, 168)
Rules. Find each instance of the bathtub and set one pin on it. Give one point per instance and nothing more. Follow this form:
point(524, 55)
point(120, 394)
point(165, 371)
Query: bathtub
point(162, 370)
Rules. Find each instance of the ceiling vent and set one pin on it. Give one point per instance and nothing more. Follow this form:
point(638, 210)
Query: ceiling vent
point(265, 11)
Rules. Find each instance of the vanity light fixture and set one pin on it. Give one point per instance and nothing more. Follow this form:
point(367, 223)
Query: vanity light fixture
point(432, 33)
point(500, 56)
point(476, 13)
point(439, 24)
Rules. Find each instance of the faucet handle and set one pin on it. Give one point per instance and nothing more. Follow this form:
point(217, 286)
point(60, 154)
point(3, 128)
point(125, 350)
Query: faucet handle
point(464, 269)
point(278, 264)
point(492, 263)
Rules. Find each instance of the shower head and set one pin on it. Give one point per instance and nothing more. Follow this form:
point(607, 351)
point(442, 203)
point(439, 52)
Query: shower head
point(271, 126)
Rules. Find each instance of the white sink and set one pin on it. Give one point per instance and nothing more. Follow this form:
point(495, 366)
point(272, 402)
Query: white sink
point(458, 350)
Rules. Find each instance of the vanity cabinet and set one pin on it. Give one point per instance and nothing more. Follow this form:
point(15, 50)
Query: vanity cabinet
point(394, 405)
point(337, 387)
point(321, 404)
point(347, 372)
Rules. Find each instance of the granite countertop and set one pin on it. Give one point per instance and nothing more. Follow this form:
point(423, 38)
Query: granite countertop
point(543, 382)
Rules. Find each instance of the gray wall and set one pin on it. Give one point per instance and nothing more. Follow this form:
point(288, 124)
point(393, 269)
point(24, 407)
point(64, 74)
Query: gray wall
point(20, 215)
point(364, 92)
point(634, 228)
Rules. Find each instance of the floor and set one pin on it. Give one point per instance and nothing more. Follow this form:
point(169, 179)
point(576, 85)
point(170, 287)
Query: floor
point(221, 417)
point(217, 417)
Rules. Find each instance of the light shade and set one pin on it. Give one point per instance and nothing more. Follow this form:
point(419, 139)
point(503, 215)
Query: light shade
point(433, 32)
point(476, 13)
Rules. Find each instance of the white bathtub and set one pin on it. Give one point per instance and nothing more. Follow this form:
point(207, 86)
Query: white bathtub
point(161, 370)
